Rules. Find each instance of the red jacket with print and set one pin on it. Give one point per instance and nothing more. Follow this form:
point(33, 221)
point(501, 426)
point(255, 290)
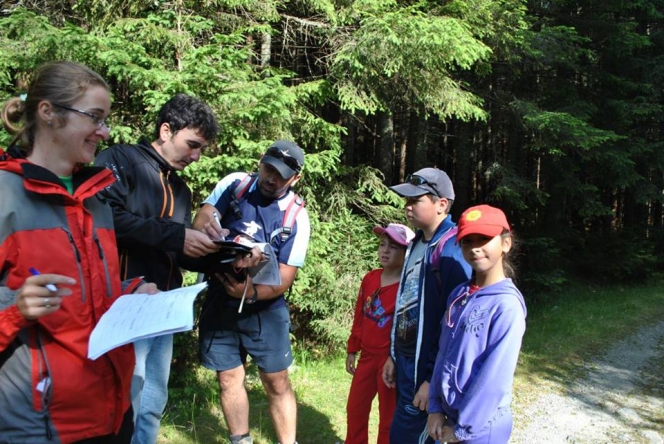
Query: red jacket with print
point(49, 390)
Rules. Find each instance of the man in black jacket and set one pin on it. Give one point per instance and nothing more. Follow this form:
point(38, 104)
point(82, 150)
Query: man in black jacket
point(152, 214)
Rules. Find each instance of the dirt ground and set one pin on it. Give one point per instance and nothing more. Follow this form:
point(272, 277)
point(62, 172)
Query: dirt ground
point(619, 400)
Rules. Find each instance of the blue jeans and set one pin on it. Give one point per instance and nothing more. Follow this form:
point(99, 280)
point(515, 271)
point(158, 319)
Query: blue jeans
point(149, 386)
point(409, 424)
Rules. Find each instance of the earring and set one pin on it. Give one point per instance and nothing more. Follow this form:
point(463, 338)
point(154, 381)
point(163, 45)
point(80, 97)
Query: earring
point(49, 123)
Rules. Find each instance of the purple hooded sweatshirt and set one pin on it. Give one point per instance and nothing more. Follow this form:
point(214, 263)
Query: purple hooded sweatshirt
point(477, 356)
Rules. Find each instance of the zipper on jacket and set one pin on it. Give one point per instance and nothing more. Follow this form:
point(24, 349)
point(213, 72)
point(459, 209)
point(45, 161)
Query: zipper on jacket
point(78, 264)
point(171, 198)
point(49, 432)
point(428, 253)
point(167, 211)
point(124, 264)
point(45, 385)
point(109, 290)
point(167, 207)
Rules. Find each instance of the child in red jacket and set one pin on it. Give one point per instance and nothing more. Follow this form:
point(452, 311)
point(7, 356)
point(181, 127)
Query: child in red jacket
point(370, 334)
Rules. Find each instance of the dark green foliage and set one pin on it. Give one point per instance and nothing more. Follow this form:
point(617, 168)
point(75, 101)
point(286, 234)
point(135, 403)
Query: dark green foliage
point(147, 59)
point(623, 257)
point(386, 63)
point(551, 111)
point(342, 249)
point(542, 267)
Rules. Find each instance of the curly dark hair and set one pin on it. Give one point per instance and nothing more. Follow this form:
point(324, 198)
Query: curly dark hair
point(184, 111)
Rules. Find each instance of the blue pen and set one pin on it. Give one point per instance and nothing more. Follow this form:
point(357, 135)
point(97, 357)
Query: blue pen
point(36, 272)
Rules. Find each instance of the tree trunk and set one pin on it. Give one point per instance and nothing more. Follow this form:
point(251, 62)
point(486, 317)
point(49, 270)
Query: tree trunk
point(385, 150)
point(266, 48)
point(349, 139)
point(416, 156)
point(463, 174)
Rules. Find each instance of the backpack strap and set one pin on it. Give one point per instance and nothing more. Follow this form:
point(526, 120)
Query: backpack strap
point(451, 232)
point(288, 222)
point(438, 251)
point(290, 215)
point(239, 191)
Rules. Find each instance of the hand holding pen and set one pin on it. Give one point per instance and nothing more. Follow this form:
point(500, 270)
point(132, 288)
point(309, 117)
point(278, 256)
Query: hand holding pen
point(42, 294)
point(214, 228)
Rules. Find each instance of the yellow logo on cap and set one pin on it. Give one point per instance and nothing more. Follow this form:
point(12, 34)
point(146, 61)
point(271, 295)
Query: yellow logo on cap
point(473, 215)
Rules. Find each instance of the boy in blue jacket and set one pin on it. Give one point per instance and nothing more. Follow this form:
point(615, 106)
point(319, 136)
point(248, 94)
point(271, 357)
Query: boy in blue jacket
point(433, 266)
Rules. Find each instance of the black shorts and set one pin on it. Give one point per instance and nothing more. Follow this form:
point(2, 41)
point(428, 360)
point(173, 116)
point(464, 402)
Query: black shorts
point(263, 334)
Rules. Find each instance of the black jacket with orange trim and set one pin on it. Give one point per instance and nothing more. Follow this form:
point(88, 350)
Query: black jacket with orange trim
point(49, 390)
point(151, 209)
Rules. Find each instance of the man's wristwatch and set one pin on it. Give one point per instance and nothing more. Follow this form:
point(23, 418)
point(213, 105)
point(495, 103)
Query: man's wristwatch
point(253, 297)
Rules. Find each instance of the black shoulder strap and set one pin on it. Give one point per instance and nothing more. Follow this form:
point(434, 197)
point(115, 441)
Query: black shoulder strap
point(239, 191)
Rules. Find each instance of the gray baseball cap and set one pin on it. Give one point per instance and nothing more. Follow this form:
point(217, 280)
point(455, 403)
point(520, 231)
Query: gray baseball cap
point(286, 157)
point(426, 181)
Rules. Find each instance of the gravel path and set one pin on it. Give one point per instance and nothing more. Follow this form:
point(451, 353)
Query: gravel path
point(619, 400)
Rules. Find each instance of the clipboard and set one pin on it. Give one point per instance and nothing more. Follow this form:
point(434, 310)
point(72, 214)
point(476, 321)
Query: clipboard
point(220, 261)
point(266, 273)
point(229, 250)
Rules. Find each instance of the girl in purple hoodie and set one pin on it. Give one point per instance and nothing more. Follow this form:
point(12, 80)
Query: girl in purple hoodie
point(481, 332)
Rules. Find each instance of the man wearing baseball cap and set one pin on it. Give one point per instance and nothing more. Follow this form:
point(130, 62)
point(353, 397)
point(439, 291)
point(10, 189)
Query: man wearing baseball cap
point(433, 267)
point(242, 315)
point(286, 157)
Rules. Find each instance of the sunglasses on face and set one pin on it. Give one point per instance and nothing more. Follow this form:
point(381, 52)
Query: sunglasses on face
point(289, 161)
point(98, 121)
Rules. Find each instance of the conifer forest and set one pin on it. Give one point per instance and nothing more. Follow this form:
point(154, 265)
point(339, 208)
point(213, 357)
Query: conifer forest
point(549, 109)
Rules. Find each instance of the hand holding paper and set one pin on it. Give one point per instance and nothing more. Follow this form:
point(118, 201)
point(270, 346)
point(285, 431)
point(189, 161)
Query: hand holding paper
point(140, 316)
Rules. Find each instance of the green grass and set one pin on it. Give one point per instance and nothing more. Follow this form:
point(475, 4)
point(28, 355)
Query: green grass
point(562, 332)
point(321, 388)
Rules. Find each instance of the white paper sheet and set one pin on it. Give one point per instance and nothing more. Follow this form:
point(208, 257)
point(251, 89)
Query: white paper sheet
point(139, 316)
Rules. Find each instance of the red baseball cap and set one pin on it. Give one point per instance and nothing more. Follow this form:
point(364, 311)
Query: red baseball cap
point(482, 219)
point(400, 234)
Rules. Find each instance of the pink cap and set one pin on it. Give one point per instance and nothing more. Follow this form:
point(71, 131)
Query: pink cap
point(400, 234)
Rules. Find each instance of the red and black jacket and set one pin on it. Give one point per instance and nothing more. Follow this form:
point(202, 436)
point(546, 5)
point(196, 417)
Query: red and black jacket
point(49, 390)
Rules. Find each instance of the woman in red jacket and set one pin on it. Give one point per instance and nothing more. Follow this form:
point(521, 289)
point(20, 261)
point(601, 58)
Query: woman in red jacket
point(51, 221)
